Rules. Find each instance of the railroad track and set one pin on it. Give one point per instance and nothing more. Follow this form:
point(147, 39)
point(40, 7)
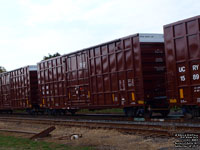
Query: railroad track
point(151, 129)
point(108, 117)
point(112, 117)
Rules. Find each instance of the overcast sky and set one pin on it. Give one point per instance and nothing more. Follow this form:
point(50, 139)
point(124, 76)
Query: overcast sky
point(30, 29)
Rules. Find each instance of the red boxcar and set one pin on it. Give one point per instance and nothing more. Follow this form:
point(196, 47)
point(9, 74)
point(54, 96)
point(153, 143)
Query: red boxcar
point(19, 89)
point(124, 73)
point(182, 48)
point(5, 101)
point(52, 83)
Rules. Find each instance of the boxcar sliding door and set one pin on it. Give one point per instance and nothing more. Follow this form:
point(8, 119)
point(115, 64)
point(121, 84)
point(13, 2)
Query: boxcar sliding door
point(77, 80)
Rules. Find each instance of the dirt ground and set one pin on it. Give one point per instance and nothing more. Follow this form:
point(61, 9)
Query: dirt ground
point(98, 138)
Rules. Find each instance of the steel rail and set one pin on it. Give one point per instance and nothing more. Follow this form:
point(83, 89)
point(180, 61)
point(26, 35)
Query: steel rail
point(166, 129)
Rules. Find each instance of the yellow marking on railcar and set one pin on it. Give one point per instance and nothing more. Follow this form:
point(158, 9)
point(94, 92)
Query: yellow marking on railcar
point(181, 93)
point(43, 101)
point(113, 97)
point(27, 101)
point(140, 102)
point(173, 100)
point(133, 96)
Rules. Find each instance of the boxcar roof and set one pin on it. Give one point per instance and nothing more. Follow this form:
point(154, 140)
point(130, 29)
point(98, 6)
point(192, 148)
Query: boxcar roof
point(143, 37)
point(181, 21)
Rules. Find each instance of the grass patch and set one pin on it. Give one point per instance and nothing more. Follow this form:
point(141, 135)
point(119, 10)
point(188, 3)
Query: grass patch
point(14, 143)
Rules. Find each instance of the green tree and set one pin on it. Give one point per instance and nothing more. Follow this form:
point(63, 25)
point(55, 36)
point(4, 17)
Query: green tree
point(2, 69)
point(51, 56)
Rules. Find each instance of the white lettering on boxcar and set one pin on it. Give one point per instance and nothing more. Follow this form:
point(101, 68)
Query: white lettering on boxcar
point(182, 78)
point(198, 100)
point(195, 76)
point(159, 68)
point(195, 67)
point(183, 101)
point(130, 82)
point(197, 89)
point(158, 51)
point(181, 69)
point(116, 99)
point(159, 60)
point(82, 65)
point(122, 101)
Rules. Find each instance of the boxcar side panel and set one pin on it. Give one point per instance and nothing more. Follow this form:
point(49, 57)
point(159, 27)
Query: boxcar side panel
point(77, 85)
point(1, 92)
point(51, 83)
point(182, 47)
point(20, 88)
point(5, 91)
point(21, 81)
point(112, 73)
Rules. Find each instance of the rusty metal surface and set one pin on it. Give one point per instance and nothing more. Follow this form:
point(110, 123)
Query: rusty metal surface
point(5, 102)
point(17, 131)
point(182, 48)
point(19, 88)
point(44, 133)
point(117, 74)
point(52, 83)
point(123, 72)
point(77, 74)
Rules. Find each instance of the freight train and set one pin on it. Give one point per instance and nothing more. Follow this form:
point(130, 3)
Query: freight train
point(140, 73)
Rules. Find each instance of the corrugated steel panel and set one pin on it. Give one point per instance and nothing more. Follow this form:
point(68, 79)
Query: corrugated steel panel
point(19, 88)
point(77, 80)
point(123, 72)
point(5, 100)
point(120, 73)
point(52, 83)
point(182, 48)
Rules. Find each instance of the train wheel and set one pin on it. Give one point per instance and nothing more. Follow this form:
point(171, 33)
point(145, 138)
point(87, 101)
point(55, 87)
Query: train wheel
point(53, 112)
point(190, 112)
point(30, 111)
point(165, 113)
point(73, 111)
point(48, 111)
point(195, 112)
point(148, 114)
point(130, 111)
point(10, 112)
point(63, 112)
